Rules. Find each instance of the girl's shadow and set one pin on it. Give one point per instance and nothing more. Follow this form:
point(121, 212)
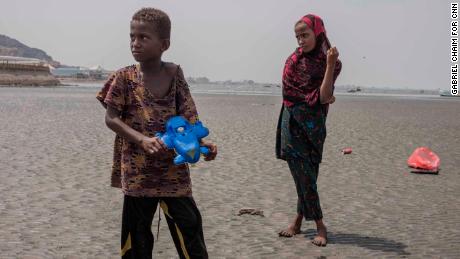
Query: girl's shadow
point(372, 243)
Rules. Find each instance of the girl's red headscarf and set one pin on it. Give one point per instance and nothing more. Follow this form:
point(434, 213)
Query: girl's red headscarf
point(304, 72)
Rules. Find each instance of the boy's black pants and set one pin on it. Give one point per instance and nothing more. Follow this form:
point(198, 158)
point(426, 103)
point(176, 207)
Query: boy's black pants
point(184, 221)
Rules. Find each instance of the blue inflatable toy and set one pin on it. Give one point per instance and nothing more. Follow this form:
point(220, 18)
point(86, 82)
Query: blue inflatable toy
point(185, 139)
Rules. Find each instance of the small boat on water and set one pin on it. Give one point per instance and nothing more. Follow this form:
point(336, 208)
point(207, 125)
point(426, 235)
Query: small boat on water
point(447, 93)
point(354, 90)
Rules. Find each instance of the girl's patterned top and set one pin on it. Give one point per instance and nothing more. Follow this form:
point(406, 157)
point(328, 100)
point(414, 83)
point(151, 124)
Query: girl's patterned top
point(301, 129)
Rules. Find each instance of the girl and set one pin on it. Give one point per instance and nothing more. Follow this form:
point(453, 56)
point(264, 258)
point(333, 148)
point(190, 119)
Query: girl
point(308, 85)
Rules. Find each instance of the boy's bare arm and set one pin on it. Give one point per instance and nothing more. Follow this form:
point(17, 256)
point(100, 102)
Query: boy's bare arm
point(113, 121)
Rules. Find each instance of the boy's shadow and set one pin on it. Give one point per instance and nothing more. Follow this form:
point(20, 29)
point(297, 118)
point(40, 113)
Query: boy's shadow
point(372, 243)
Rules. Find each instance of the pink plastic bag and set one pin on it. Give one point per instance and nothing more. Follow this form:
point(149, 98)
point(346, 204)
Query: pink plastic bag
point(425, 160)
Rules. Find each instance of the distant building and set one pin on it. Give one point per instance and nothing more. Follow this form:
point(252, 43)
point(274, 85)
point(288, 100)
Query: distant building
point(69, 72)
point(81, 72)
point(22, 60)
point(21, 71)
point(11, 63)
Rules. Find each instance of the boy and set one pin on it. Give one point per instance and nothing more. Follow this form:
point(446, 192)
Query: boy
point(139, 100)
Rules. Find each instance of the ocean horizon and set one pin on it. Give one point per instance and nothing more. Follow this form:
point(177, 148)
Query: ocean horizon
point(275, 90)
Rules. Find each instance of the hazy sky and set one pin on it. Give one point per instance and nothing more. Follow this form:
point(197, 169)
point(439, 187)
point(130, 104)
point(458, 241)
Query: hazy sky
point(381, 42)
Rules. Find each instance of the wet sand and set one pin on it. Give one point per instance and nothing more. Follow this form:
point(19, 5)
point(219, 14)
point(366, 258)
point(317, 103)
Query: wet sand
point(56, 201)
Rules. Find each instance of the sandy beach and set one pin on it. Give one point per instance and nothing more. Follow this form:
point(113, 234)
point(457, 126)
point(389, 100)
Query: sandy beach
point(56, 201)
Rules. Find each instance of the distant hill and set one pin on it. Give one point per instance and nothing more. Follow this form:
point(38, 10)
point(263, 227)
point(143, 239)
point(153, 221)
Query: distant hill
point(12, 47)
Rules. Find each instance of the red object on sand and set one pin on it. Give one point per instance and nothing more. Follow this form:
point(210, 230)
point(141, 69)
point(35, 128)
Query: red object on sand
point(425, 159)
point(347, 150)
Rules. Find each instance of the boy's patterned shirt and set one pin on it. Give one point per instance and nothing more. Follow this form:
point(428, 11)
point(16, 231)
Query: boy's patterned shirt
point(143, 174)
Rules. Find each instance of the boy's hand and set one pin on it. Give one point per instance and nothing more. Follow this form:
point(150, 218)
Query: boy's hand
point(153, 145)
point(332, 56)
point(212, 150)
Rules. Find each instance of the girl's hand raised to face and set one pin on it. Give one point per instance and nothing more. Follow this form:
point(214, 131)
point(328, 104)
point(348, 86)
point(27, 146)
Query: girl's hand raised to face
point(332, 56)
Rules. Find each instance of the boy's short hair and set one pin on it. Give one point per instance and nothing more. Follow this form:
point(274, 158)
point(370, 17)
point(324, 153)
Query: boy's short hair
point(159, 19)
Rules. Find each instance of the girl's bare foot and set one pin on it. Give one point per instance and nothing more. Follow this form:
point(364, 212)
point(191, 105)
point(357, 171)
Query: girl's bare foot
point(293, 229)
point(321, 238)
point(289, 231)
